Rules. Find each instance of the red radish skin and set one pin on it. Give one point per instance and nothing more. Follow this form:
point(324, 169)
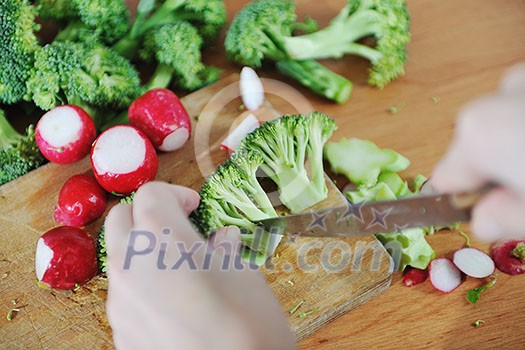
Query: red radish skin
point(444, 275)
point(64, 134)
point(81, 201)
point(65, 257)
point(414, 277)
point(162, 117)
point(473, 262)
point(509, 256)
point(123, 159)
point(249, 124)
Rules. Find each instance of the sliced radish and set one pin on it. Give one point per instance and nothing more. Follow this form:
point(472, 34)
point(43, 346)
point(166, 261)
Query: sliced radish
point(473, 262)
point(444, 275)
point(252, 91)
point(123, 159)
point(249, 124)
point(64, 134)
point(80, 201)
point(509, 256)
point(162, 117)
point(414, 277)
point(65, 258)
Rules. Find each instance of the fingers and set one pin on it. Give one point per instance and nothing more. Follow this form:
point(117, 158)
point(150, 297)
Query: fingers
point(514, 80)
point(116, 227)
point(499, 215)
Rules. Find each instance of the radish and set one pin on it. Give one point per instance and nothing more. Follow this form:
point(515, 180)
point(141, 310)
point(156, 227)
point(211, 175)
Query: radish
point(123, 159)
point(80, 201)
point(509, 256)
point(252, 91)
point(414, 276)
point(473, 262)
point(162, 117)
point(249, 124)
point(64, 134)
point(444, 275)
point(65, 257)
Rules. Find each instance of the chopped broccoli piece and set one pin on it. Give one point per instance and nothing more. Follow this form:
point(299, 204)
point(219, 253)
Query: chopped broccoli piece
point(56, 9)
point(388, 21)
point(176, 47)
point(259, 32)
point(17, 44)
point(362, 161)
point(19, 154)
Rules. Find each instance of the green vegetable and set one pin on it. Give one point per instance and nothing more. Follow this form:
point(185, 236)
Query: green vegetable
point(478, 323)
point(234, 196)
point(362, 161)
point(296, 307)
point(259, 32)
point(474, 294)
point(388, 21)
point(17, 45)
point(19, 154)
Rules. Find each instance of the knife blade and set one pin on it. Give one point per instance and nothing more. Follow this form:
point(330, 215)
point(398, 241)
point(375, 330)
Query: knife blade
point(378, 217)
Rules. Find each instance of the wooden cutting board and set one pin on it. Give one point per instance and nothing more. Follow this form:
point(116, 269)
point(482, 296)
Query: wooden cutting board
point(326, 278)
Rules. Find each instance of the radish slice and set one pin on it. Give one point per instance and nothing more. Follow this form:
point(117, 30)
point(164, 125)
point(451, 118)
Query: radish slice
point(474, 263)
point(123, 159)
point(252, 91)
point(249, 124)
point(64, 134)
point(509, 256)
point(444, 275)
point(414, 277)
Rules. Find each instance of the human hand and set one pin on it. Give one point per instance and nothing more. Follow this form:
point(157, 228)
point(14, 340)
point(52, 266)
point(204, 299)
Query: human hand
point(152, 306)
point(489, 146)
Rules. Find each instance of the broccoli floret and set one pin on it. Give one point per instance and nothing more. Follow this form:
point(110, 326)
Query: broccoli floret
point(90, 76)
point(176, 47)
point(17, 45)
point(388, 21)
point(56, 9)
point(285, 145)
point(259, 32)
point(19, 154)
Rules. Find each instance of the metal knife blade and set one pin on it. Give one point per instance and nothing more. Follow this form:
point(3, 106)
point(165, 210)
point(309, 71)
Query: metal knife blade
point(378, 217)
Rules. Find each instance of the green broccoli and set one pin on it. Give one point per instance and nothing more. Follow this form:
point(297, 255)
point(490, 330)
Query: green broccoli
point(388, 21)
point(17, 44)
point(176, 47)
point(259, 32)
point(19, 154)
point(90, 76)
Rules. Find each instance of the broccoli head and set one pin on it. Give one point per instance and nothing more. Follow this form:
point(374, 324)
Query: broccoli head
point(176, 48)
point(388, 21)
point(259, 32)
point(17, 44)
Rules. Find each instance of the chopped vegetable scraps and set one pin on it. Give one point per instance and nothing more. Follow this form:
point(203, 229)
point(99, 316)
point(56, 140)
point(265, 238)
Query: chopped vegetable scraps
point(473, 295)
point(292, 311)
point(478, 323)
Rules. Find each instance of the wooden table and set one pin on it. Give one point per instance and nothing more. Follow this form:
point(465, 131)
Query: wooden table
point(459, 50)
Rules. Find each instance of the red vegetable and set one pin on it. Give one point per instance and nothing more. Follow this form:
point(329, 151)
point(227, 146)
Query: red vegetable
point(444, 275)
point(414, 276)
point(65, 258)
point(123, 159)
point(162, 117)
point(64, 134)
point(509, 256)
point(473, 262)
point(80, 201)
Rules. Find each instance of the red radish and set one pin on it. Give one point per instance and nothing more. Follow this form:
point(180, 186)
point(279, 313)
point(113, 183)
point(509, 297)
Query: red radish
point(473, 262)
point(64, 134)
point(444, 275)
point(80, 201)
point(123, 159)
point(252, 91)
point(66, 256)
point(509, 256)
point(162, 117)
point(414, 276)
point(249, 124)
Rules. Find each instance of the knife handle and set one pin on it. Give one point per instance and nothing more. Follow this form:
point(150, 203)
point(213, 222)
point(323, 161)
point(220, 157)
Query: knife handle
point(467, 200)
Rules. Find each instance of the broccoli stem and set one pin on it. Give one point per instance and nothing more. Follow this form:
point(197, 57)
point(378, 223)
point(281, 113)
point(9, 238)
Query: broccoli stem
point(318, 78)
point(69, 32)
point(8, 134)
point(127, 47)
point(161, 78)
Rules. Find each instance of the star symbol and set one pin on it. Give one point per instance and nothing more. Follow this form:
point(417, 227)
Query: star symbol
point(318, 221)
point(292, 237)
point(399, 229)
point(379, 217)
point(352, 210)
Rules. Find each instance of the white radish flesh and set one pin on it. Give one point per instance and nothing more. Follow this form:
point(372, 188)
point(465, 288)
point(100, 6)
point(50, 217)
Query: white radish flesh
point(444, 275)
point(474, 263)
point(249, 124)
point(252, 91)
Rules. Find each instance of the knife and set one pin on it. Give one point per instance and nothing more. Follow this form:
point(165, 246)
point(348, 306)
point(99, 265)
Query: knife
point(378, 217)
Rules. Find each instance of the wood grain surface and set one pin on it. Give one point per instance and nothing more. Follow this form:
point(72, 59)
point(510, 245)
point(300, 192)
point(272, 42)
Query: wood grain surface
point(459, 50)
